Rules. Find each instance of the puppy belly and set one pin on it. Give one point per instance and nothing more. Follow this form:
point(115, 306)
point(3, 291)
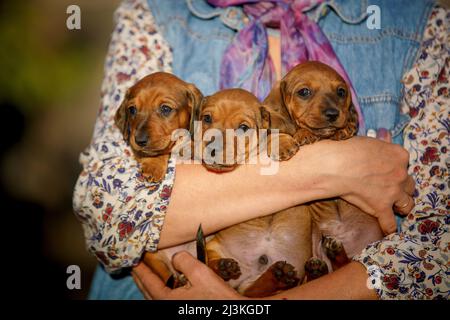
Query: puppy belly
point(350, 226)
point(258, 243)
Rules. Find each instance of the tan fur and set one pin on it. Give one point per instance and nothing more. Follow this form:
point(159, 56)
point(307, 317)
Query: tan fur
point(147, 96)
point(334, 218)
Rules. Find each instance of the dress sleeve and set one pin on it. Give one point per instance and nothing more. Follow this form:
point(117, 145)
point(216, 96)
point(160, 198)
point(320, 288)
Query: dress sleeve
point(122, 213)
point(414, 264)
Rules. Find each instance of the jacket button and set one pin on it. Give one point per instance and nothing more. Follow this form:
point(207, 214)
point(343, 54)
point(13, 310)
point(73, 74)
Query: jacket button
point(371, 133)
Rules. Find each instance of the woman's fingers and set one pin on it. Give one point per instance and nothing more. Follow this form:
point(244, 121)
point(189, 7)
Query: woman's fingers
point(405, 205)
point(148, 282)
point(185, 263)
point(410, 185)
point(386, 220)
point(140, 285)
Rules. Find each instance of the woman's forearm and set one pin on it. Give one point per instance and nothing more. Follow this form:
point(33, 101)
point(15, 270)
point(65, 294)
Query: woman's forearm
point(218, 201)
point(349, 282)
point(368, 173)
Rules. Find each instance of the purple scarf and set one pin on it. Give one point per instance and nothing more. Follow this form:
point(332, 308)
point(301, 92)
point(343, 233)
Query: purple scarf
point(246, 62)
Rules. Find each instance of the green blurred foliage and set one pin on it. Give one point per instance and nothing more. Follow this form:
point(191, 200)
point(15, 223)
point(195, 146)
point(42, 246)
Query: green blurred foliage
point(38, 67)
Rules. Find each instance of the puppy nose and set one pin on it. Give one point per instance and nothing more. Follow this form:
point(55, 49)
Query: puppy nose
point(141, 138)
point(331, 114)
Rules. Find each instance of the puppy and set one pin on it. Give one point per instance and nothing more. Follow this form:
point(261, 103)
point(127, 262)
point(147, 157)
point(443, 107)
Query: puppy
point(313, 102)
point(242, 113)
point(258, 257)
point(152, 108)
point(265, 255)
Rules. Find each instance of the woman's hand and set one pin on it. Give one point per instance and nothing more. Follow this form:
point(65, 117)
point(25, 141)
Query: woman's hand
point(349, 282)
point(203, 282)
point(369, 173)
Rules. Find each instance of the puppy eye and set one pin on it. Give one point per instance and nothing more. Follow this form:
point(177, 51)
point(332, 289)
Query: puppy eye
point(207, 119)
point(341, 92)
point(243, 127)
point(304, 92)
point(132, 110)
point(165, 110)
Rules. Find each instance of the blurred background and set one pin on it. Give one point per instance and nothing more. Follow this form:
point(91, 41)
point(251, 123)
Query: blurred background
point(49, 94)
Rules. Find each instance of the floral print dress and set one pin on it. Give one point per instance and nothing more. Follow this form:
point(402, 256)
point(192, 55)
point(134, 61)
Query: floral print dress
point(414, 263)
point(122, 214)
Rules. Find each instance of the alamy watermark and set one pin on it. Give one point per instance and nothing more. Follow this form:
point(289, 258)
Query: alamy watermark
point(374, 17)
point(73, 21)
point(74, 279)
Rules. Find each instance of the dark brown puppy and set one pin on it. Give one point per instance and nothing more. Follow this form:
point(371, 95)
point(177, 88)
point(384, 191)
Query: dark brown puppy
point(152, 109)
point(312, 102)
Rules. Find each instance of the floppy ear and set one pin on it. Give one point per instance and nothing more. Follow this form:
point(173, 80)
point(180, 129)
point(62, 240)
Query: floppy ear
point(274, 101)
point(195, 102)
point(265, 118)
point(352, 122)
point(279, 114)
point(121, 117)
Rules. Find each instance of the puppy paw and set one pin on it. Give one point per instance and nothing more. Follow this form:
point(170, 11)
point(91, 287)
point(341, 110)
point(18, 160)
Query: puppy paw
point(285, 274)
point(226, 268)
point(152, 172)
point(176, 281)
point(344, 134)
point(303, 137)
point(315, 268)
point(288, 147)
point(335, 251)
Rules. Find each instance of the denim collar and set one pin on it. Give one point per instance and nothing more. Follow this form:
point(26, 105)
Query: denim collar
point(232, 17)
point(349, 11)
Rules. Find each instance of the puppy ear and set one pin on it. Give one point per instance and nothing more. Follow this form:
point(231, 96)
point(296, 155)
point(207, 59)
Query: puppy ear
point(121, 117)
point(195, 103)
point(352, 122)
point(274, 101)
point(265, 118)
point(279, 113)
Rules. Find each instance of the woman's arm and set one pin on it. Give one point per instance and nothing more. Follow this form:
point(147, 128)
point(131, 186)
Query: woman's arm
point(122, 213)
point(367, 172)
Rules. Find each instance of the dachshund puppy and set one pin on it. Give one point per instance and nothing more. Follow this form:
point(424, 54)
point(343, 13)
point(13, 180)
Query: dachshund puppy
point(239, 111)
point(152, 109)
point(258, 257)
point(313, 102)
point(264, 255)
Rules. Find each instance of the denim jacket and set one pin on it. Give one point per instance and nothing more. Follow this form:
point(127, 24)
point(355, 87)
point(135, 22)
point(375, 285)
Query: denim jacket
point(375, 59)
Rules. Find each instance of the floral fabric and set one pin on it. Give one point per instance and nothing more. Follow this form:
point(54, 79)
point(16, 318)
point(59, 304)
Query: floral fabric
point(414, 264)
point(122, 214)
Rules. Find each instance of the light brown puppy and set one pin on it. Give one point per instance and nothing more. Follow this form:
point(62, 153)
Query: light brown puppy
point(151, 110)
point(312, 102)
point(265, 255)
point(234, 109)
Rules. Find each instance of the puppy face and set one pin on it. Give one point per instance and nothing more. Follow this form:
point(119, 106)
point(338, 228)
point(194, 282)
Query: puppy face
point(317, 98)
point(234, 109)
point(154, 107)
